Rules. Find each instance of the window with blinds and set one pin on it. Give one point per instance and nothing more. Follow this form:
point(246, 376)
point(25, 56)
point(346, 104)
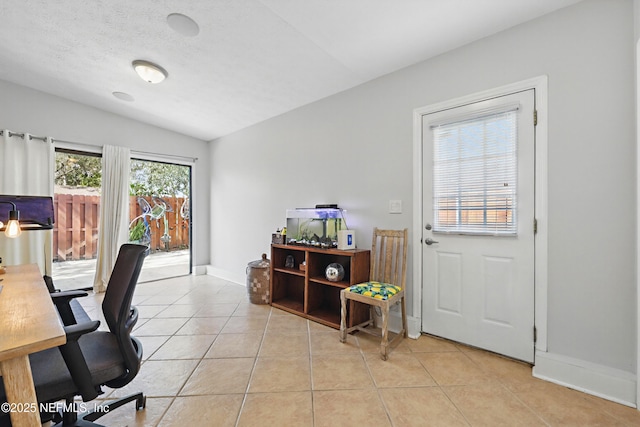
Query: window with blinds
point(475, 173)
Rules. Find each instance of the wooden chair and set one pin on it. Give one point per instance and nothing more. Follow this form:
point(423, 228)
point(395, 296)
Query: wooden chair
point(387, 279)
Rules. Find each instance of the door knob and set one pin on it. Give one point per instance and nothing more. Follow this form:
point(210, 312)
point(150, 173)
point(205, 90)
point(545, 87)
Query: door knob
point(430, 241)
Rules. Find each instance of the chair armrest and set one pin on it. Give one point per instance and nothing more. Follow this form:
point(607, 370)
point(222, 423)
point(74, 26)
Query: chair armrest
point(68, 295)
point(75, 361)
point(62, 301)
point(74, 332)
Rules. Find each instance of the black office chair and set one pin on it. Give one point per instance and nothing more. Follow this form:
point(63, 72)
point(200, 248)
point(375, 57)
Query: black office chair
point(92, 358)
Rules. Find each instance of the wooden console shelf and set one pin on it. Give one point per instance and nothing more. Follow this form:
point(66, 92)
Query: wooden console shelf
point(307, 292)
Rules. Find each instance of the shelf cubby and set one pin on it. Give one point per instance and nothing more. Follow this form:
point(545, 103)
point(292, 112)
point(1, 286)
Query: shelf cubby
point(287, 290)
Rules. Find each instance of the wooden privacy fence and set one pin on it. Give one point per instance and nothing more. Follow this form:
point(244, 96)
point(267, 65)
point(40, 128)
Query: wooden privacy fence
point(75, 232)
point(178, 227)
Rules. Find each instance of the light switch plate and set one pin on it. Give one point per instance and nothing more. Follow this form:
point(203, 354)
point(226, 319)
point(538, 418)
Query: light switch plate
point(395, 206)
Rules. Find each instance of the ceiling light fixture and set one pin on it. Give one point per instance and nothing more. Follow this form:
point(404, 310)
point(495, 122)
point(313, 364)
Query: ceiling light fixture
point(149, 72)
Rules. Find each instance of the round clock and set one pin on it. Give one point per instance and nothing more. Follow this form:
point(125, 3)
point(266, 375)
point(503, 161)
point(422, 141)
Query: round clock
point(334, 272)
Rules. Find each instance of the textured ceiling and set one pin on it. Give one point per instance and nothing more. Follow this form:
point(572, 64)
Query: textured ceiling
point(252, 59)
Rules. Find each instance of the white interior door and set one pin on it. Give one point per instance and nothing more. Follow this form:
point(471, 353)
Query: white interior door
point(478, 224)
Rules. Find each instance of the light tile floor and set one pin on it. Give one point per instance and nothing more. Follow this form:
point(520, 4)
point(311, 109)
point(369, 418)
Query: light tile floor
point(213, 359)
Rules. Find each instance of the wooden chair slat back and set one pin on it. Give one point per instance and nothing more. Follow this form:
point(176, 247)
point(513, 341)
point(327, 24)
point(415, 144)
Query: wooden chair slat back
point(389, 256)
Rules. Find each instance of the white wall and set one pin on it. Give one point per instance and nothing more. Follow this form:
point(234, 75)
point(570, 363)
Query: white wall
point(636, 27)
point(26, 110)
point(354, 149)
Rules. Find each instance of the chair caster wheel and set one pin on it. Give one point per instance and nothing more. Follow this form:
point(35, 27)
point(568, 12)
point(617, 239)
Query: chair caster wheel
point(141, 403)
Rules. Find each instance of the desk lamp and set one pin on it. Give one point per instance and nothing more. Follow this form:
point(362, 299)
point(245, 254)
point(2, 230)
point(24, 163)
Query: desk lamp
point(33, 213)
point(13, 225)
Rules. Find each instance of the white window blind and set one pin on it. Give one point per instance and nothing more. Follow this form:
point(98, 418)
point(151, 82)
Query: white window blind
point(475, 173)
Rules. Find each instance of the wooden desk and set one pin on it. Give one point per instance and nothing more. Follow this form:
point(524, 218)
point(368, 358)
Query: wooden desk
point(29, 323)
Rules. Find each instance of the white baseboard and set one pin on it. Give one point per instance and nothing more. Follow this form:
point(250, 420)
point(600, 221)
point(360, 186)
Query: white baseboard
point(395, 324)
point(226, 275)
point(414, 324)
point(601, 381)
point(199, 270)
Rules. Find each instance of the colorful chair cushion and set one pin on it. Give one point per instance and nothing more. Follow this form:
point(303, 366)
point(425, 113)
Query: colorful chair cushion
point(375, 290)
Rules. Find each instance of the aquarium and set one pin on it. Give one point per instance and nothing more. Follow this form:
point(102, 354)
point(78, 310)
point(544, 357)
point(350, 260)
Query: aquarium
point(315, 226)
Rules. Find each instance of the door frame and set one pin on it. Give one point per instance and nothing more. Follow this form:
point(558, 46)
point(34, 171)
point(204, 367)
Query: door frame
point(540, 86)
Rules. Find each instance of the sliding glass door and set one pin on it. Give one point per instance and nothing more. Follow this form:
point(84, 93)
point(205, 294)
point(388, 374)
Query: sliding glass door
point(161, 217)
point(78, 180)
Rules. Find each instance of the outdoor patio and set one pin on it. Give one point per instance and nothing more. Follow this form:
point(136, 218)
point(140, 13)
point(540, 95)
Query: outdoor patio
point(157, 266)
